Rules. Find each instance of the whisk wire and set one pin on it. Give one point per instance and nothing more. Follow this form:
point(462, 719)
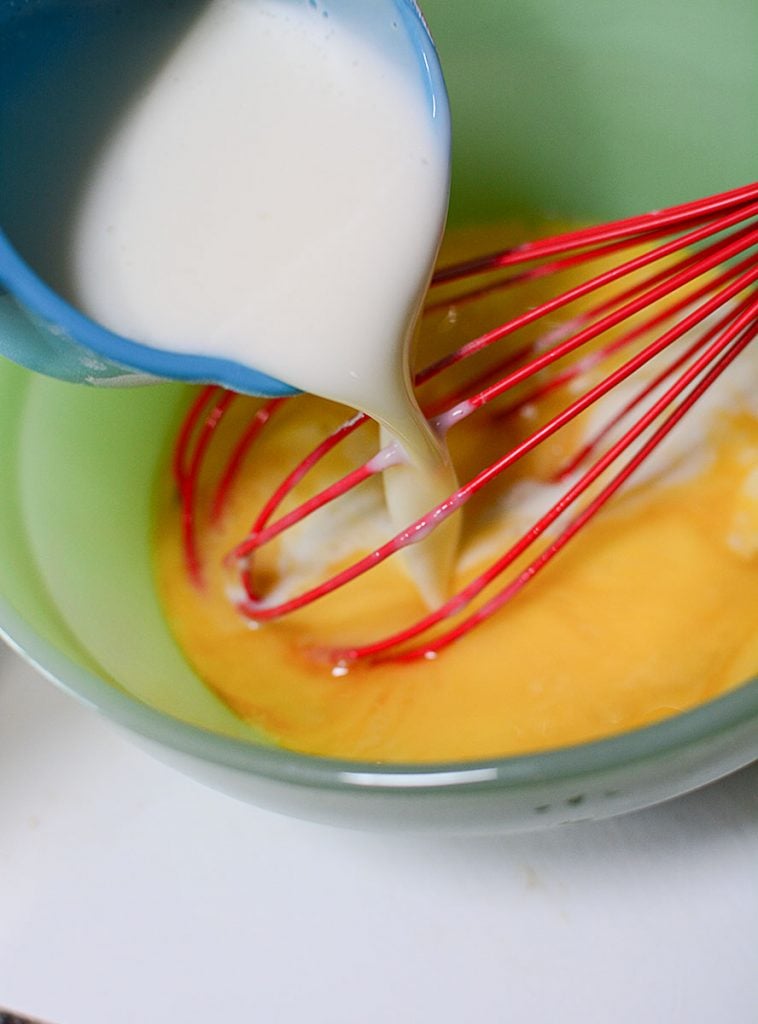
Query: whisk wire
point(381, 647)
point(262, 611)
point(632, 229)
point(713, 236)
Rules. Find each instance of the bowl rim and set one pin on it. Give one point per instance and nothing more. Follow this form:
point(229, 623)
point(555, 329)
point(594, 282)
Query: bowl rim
point(708, 721)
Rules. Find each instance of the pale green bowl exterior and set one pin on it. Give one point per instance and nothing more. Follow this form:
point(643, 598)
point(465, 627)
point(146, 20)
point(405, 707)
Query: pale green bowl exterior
point(587, 109)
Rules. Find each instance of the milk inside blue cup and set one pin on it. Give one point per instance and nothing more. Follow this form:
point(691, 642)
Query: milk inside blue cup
point(273, 196)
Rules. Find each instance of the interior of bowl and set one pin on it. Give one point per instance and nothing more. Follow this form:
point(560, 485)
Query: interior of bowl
point(585, 110)
point(594, 109)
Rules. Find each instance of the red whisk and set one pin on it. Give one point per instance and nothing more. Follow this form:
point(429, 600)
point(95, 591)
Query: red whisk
point(697, 267)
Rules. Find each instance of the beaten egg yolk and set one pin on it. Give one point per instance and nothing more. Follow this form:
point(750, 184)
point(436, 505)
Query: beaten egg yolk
point(649, 611)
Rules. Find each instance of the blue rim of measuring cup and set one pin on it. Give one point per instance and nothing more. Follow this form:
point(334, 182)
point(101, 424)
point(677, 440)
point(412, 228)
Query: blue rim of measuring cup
point(73, 327)
point(70, 326)
point(430, 66)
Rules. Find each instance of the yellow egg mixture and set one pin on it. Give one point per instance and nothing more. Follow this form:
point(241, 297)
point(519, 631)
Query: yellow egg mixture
point(649, 611)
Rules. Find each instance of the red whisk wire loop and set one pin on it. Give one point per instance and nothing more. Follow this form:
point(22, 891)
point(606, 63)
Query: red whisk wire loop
point(630, 228)
point(681, 299)
point(745, 329)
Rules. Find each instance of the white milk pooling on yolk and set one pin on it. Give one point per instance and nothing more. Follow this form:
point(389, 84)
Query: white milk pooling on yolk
point(275, 196)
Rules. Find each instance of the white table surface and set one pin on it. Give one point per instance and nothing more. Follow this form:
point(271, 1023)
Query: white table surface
point(131, 894)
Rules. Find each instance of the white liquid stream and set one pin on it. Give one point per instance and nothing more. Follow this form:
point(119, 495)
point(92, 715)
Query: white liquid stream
point(275, 197)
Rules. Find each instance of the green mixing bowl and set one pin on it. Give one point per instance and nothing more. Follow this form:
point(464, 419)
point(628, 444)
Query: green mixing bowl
point(589, 109)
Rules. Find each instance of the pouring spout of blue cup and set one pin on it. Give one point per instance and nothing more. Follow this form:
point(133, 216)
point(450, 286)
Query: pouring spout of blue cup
point(61, 76)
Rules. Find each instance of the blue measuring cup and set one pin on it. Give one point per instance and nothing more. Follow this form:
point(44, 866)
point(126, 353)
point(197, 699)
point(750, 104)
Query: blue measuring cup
point(67, 67)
